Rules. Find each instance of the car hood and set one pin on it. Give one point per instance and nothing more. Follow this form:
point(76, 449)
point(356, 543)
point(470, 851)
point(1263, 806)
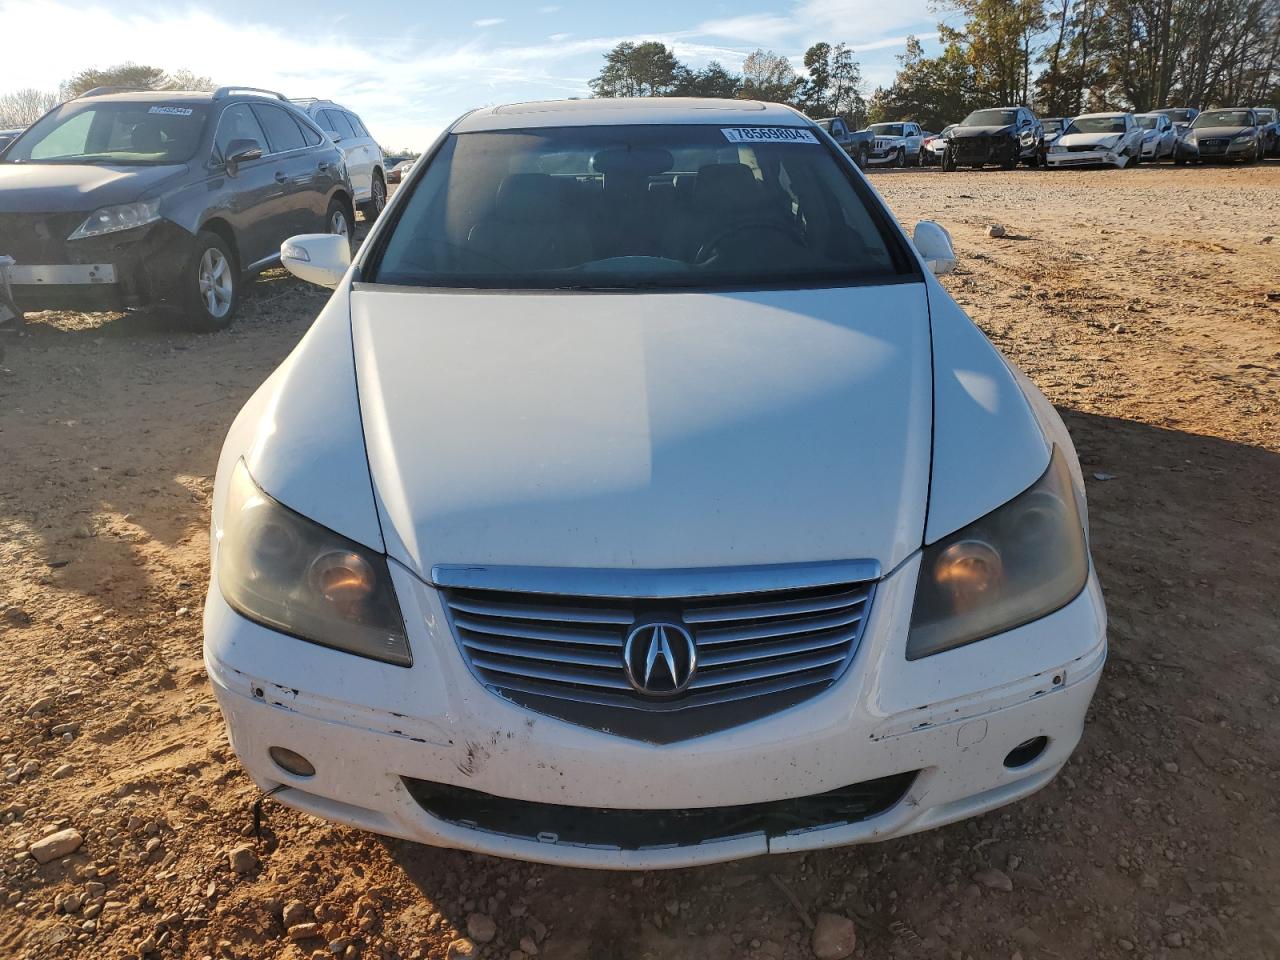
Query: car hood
point(961, 132)
point(1088, 139)
point(68, 187)
point(1212, 132)
point(646, 431)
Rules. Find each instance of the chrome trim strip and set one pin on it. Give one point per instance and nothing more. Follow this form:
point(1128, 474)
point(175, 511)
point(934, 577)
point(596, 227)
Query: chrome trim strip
point(654, 584)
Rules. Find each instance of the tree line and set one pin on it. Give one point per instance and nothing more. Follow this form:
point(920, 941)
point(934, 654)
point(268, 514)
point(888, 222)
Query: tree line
point(1066, 57)
point(21, 108)
point(1062, 57)
point(831, 86)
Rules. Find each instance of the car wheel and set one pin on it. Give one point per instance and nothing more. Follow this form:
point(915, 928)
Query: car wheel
point(1009, 162)
point(1136, 158)
point(900, 158)
point(211, 286)
point(377, 199)
point(948, 162)
point(339, 221)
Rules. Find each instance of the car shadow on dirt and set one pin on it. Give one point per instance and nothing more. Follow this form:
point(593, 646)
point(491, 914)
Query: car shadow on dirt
point(1183, 535)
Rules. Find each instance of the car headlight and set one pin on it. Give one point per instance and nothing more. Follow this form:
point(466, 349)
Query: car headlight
point(1020, 562)
point(124, 216)
point(288, 573)
point(1057, 149)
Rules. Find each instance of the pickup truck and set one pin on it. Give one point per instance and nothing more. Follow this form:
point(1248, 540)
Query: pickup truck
point(856, 143)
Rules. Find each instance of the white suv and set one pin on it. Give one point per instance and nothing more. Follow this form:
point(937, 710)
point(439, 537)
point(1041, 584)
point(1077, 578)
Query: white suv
point(896, 144)
point(360, 151)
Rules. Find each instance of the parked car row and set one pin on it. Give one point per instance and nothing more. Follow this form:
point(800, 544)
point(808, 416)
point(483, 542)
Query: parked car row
point(1007, 136)
point(125, 198)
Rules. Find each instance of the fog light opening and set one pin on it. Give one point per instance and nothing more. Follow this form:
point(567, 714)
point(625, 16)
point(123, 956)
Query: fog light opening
point(1026, 752)
point(291, 762)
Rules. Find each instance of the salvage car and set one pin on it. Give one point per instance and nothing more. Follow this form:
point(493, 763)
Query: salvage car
point(1159, 139)
point(163, 199)
point(895, 144)
point(856, 143)
point(935, 145)
point(640, 499)
point(1233, 134)
point(366, 167)
point(1002, 136)
point(1269, 121)
point(1098, 139)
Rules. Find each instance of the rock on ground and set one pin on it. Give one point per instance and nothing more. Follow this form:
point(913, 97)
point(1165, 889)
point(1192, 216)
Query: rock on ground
point(57, 845)
point(834, 937)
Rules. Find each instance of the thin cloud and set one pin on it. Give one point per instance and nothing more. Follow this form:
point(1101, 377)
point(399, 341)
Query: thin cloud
point(488, 21)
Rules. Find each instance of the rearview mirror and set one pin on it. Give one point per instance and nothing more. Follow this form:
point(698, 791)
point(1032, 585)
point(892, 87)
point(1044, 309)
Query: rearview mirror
point(321, 258)
point(934, 245)
point(240, 151)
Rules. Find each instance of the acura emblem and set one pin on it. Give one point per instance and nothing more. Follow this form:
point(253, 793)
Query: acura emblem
point(660, 659)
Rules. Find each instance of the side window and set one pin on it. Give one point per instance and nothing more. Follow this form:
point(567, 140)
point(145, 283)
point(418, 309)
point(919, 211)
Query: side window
point(342, 126)
point(837, 128)
point(282, 133)
point(325, 119)
point(357, 125)
point(237, 123)
point(309, 133)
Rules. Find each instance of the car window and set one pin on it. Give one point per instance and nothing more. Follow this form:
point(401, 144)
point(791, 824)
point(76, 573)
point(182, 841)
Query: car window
point(237, 123)
point(309, 133)
point(990, 118)
point(888, 129)
point(1223, 118)
point(282, 132)
point(356, 125)
point(325, 119)
point(116, 132)
point(341, 125)
point(1098, 125)
point(639, 207)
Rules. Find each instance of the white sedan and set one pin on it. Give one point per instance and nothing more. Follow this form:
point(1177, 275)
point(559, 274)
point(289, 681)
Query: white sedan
point(659, 510)
point(1159, 138)
point(1098, 139)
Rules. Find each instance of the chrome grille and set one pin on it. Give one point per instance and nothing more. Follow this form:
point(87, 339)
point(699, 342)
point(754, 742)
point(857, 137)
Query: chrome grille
point(757, 653)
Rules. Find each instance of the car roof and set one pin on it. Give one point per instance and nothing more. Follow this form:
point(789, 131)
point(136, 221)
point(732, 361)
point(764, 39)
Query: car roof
point(146, 96)
point(1110, 113)
point(612, 111)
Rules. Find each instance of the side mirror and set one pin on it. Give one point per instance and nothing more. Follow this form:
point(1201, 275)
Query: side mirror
point(241, 151)
point(933, 243)
point(320, 258)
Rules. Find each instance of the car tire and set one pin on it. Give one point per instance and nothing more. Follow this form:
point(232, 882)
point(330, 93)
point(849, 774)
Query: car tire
point(948, 162)
point(210, 284)
point(338, 219)
point(900, 158)
point(377, 202)
point(1009, 162)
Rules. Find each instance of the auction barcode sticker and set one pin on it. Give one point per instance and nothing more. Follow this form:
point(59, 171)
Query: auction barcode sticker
point(172, 111)
point(768, 135)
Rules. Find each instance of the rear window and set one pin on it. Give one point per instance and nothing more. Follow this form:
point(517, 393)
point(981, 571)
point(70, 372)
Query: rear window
point(626, 207)
point(119, 133)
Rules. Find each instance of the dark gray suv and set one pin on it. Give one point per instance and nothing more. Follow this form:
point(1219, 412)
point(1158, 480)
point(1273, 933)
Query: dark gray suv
point(121, 199)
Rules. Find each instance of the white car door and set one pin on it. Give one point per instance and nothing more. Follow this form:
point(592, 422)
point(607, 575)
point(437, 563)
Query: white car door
point(354, 151)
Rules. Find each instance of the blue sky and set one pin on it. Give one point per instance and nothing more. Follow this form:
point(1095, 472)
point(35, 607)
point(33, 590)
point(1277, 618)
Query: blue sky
point(409, 69)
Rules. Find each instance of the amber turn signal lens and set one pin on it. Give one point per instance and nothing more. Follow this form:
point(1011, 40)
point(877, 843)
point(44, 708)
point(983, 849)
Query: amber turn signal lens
point(968, 570)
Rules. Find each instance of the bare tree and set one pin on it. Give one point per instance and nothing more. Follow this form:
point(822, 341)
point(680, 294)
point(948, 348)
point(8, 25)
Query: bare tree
point(21, 108)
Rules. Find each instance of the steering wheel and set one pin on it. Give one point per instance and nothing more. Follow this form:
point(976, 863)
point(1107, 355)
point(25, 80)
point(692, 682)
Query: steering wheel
point(710, 250)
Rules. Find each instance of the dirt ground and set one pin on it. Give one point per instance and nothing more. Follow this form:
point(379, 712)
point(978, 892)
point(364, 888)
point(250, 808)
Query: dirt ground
point(1145, 303)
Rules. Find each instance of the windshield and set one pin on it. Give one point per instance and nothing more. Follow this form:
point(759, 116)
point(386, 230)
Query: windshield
point(1146, 123)
point(1179, 114)
point(124, 133)
point(1223, 118)
point(991, 118)
point(1097, 125)
point(1265, 116)
point(886, 129)
point(625, 207)
point(1052, 126)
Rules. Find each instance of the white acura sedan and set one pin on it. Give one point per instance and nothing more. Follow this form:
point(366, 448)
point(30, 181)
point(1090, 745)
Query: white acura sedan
point(640, 499)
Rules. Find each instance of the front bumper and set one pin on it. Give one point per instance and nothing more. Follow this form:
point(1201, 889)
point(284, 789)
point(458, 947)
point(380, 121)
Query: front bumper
point(1213, 151)
point(951, 719)
point(1087, 158)
point(132, 268)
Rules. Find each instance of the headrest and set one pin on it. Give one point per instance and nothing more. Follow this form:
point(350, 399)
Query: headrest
point(725, 185)
point(528, 196)
point(636, 161)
